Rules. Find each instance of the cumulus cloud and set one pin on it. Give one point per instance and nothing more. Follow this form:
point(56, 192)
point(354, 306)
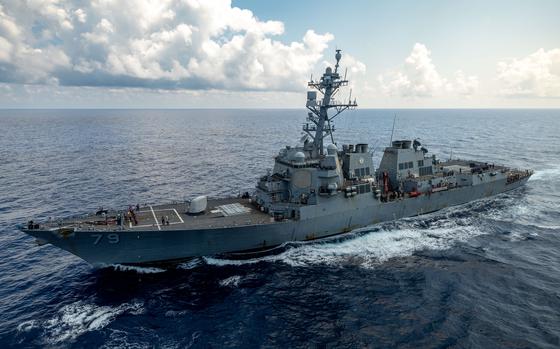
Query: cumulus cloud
point(418, 77)
point(537, 75)
point(192, 44)
point(464, 85)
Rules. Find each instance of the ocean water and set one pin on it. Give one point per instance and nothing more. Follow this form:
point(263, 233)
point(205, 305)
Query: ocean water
point(481, 275)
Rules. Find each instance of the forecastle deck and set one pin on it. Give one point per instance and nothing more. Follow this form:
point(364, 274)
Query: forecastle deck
point(220, 213)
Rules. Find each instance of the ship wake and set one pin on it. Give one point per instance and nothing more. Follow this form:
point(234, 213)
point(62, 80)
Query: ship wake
point(368, 247)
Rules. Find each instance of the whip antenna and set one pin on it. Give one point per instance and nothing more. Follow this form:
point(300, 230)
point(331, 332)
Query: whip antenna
point(393, 130)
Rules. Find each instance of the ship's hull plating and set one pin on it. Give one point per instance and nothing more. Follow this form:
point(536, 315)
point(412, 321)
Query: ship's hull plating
point(334, 216)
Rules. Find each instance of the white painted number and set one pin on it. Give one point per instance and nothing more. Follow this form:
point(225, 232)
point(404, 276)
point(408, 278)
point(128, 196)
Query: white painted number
point(111, 238)
point(97, 237)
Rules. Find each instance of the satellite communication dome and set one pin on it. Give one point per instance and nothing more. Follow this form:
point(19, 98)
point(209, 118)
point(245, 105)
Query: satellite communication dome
point(299, 157)
point(328, 70)
point(331, 149)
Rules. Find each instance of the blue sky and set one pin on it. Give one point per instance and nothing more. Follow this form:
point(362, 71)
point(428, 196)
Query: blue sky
point(249, 53)
point(384, 31)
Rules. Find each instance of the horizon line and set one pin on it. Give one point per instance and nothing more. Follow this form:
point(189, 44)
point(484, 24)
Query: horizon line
point(271, 108)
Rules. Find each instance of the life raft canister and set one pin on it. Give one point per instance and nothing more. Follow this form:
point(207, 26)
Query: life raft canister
point(414, 194)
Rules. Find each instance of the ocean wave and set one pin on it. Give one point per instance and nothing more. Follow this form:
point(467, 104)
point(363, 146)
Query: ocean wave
point(122, 339)
point(27, 326)
point(137, 269)
point(525, 212)
point(175, 313)
point(368, 247)
point(546, 174)
point(377, 247)
point(232, 281)
point(518, 236)
point(193, 263)
point(508, 294)
point(80, 317)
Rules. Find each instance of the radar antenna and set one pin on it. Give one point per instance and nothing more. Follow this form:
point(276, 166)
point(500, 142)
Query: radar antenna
point(321, 123)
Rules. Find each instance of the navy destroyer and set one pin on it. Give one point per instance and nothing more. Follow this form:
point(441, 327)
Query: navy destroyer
point(314, 190)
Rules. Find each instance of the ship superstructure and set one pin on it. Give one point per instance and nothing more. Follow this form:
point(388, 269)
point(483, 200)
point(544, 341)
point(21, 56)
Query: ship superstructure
point(302, 174)
point(313, 191)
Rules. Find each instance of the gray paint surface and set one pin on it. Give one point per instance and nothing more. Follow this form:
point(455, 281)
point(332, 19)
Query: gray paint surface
point(312, 192)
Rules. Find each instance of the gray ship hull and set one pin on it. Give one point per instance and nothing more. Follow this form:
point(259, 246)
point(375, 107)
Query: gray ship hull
point(312, 191)
point(335, 215)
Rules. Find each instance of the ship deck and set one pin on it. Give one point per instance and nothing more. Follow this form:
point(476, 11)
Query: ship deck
point(220, 213)
point(472, 164)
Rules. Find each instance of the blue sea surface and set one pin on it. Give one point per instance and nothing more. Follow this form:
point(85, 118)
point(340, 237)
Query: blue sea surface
point(481, 275)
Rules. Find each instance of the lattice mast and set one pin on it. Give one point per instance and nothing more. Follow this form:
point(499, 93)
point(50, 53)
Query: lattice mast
point(319, 123)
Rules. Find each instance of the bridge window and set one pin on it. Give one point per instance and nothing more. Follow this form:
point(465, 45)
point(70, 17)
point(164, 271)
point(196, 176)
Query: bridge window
point(420, 163)
point(424, 171)
point(361, 172)
point(406, 165)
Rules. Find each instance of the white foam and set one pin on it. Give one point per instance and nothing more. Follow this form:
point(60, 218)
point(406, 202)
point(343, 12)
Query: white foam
point(516, 236)
point(175, 313)
point(224, 262)
point(27, 326)
point(232, 281)
point(139, 270)
point(524, 212)
point(194, 338)
point(551, 227)
point(378, 247)
point(370, 249)
point(193, 263)
point(122, 339)
point(547, 174)
point(77, 318)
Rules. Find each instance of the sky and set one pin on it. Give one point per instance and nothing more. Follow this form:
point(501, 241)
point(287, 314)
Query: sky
point(260, 54)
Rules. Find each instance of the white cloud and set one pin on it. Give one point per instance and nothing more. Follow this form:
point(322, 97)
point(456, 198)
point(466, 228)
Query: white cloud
point(8, 27)
point(158, 44)
point(6, 48)
point(355, 71)
point(418, 77)
point(537, 75)
point(52, 11)
point(81, 15)
point(101, 33)
point(465, 85)
point(22, 61)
